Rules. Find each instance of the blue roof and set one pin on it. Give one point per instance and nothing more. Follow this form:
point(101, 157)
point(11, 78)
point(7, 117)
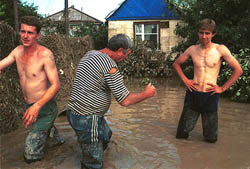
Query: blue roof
point(143, 10)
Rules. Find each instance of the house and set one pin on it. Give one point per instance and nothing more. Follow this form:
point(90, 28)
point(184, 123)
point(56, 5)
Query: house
point(141, 20)
point(76, 18)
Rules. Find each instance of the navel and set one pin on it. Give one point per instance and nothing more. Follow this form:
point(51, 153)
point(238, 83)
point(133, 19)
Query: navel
point(34, 75)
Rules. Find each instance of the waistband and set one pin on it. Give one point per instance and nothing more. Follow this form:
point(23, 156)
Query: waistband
point(50, 101)
point(79, 114)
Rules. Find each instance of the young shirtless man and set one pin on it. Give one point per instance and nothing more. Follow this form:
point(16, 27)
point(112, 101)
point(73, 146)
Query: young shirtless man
point(202, 91)
point(39, 82)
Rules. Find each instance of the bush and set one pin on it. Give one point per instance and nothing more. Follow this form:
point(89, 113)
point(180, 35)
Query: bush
point(98, 32)
point(240, 91)
point(143, 62)
point(11, 101)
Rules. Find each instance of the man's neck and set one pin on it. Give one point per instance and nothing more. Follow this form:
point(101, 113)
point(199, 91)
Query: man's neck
point(31, 49)
point(206, 46)
point(109, 52)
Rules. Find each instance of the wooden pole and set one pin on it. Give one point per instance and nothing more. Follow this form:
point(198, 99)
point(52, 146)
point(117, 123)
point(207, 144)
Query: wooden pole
point(16, 15)
point(66, 18)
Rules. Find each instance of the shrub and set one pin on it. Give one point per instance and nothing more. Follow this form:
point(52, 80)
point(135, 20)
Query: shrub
point(143, 62)
point(240, 91)
point(11, 101)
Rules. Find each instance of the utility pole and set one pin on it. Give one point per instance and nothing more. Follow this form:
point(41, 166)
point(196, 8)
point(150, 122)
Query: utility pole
point(66, 18)
point(16, 15)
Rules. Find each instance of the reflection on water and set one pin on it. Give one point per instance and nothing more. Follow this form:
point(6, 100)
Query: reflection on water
point(144, 138)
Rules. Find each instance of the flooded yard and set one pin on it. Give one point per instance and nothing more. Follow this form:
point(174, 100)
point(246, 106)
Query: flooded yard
point(144, 138)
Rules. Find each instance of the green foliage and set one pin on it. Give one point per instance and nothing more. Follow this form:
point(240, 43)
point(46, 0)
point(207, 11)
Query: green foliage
point(24, 8)
point(146, 81)
point(53, 28)
point(98, 32)
point(143, 62)
point(240, 91)
point(2, 7)
point(232, 27)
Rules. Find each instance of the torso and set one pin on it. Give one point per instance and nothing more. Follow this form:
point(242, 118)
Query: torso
point(92, 87)
point(33, 79)
point(207, 64)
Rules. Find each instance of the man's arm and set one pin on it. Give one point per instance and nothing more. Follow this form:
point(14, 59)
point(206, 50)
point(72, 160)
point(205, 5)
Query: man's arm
point(52, 75)
point(190, 84)
point(134, 98)
point(10, 59)
point(234, 64)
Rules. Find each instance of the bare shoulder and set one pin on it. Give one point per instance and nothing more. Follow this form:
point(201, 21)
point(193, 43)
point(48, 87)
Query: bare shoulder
point(189, 51)
point(222, 49)
point(18, 51)
point(192, 48)
point(45, 53)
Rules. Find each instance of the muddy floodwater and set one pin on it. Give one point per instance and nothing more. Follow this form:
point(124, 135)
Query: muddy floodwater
point(144, 137)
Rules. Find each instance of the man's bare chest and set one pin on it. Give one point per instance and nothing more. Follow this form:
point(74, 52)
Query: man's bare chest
point(207, 59)
point(29, 67)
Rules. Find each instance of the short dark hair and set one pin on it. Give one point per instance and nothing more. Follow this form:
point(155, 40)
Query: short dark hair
point(207, 24)
point(119, 41)
point(31, 21)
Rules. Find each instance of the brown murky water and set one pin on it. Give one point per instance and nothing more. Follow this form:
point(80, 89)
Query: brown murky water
point(144, 138)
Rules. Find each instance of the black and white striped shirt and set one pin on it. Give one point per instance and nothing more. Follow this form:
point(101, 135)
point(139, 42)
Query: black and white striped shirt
point(93, 85)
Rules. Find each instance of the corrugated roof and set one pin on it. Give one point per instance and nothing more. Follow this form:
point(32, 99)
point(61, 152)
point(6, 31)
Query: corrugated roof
point(143, 10)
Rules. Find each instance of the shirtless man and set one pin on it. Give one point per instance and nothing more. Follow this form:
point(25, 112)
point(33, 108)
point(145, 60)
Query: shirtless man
point(39, 82)
point(202, 91)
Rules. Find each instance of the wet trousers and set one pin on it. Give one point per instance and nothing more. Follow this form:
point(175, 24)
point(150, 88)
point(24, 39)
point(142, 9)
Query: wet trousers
point(41, 130)
point(93, 136)
point(197, 103)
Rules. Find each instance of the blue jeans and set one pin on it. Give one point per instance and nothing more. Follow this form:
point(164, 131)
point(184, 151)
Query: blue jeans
point(93, 135)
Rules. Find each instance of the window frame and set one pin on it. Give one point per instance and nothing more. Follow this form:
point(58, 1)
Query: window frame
point(143, 34)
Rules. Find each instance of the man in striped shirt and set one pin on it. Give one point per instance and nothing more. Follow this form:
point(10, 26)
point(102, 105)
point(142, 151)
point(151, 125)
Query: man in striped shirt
point(97, 77)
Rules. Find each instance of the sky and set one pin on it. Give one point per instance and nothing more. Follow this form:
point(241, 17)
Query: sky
point(98, 9)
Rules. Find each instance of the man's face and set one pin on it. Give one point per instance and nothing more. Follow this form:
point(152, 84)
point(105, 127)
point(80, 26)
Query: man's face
point(205, 36)
point(28, 35)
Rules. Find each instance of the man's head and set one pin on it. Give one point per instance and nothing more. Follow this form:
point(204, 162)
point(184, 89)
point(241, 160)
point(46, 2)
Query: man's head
point(207, 24)
point(119, 41)
point(206, 31)
point(31, 21)
point(29, 30)
point(120, 44)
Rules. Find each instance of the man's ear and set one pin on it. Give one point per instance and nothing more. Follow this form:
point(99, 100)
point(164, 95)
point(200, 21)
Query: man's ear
point(120, 50)
point(38, 35)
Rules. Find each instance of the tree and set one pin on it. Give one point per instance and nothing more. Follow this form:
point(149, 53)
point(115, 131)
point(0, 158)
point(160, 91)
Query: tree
point(232, 18)
point(24, 8)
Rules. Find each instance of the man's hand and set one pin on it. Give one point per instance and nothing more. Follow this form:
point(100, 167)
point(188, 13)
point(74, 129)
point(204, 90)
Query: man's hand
point(214, 89)
point(150, 90)
point(190, 84)
point(30, 115)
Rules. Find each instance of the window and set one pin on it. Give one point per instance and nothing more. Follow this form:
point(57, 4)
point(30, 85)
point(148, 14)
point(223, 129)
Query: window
point(147, 32)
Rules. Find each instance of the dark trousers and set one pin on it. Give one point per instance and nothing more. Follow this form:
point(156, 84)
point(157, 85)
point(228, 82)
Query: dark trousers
point(197, 103)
